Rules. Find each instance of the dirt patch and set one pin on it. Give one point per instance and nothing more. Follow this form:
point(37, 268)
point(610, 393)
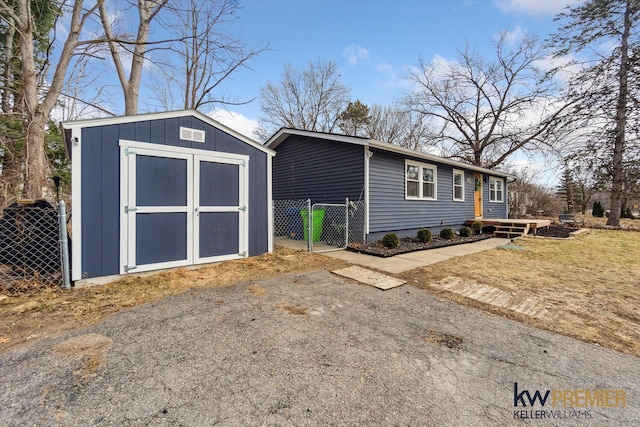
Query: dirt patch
point(52, 312)
point(411, 244)
point(588, 285)
point(91, 347)
point(440, 338)
point(292, 309)
point(257, 290)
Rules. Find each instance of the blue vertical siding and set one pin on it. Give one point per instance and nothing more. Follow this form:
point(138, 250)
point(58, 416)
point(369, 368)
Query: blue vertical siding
point(318, 169)
point(101, 184)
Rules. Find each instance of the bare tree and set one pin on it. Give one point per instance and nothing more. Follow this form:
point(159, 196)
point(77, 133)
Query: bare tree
point(485, 110)
point(36, 99)
point(528, 198)
point(311, 99)
point(136, 48)
point(399, 127)
point(207, 51)
point(606, 88)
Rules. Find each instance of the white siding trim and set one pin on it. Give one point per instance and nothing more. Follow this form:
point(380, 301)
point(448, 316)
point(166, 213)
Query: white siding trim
point(182, 150)
point(367, 156)
point(269, 203)
point(76, 203)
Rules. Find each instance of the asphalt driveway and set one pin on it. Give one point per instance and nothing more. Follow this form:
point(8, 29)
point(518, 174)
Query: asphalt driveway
point(315, 349)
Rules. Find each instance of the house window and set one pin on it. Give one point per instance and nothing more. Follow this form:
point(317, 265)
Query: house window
point(421, 181)
point(458, 185)
point(496, 189)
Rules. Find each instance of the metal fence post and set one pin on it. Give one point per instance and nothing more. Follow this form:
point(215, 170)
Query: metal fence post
point(346, 228)
point(309, 226)
point(64, 245)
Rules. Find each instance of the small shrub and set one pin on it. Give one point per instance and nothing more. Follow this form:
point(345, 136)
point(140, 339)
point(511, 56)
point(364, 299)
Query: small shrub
point(598, 210)
point(424, 235)
point(447, 233)
point(465, 232)
point(390, 241)
point(476, 226)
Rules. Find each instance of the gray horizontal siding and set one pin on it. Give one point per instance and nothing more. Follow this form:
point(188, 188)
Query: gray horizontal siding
point(101, 184)
point(317, 169)
point(389, 211)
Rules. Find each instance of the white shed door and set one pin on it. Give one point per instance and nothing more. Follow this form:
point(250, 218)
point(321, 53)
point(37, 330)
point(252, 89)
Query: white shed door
point(180, 208)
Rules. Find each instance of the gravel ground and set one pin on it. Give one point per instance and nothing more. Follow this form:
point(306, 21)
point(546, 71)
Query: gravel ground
point(310, 349)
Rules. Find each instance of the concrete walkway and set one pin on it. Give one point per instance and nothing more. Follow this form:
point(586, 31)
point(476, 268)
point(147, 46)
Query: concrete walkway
point(405, 262)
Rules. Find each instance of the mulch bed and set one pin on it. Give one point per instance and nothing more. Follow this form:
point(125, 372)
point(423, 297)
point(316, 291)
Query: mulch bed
point(411, 244)
point(557, 231)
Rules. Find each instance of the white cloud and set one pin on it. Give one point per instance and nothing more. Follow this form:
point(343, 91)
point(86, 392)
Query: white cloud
point(355, 53)
point(235, 121)
point(534, 7)
point(513, 37)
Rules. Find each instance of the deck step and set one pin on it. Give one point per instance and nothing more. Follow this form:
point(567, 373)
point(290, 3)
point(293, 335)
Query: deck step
point(511, 230)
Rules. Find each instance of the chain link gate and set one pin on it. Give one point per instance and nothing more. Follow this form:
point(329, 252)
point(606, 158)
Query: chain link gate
point(329, 226)
point(318, 227)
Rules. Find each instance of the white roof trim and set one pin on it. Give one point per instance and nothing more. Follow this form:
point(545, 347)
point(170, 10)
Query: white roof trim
point(431, 157)
point(284, 133)
point(165, 115)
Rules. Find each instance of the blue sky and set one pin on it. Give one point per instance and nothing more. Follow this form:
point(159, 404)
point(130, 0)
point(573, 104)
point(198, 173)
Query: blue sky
point(373, 42)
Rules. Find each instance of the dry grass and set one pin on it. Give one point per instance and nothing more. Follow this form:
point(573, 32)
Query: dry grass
point(24, 318)
point(589, 284)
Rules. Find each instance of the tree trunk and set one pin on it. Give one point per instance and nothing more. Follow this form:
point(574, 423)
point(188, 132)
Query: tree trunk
point(34, 173)
point(36, 165)
point(621, 121)
point(8, 72)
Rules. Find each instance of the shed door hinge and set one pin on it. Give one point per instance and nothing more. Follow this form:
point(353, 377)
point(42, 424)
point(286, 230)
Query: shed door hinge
point(128, 209)
point(128, 268)
point(242, 208)
point(128, 151)
point(242, 254)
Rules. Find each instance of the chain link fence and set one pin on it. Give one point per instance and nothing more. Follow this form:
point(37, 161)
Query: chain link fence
point(30, 242)
point(318, 227)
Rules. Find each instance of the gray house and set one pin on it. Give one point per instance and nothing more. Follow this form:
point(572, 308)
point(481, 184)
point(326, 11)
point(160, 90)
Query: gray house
point(165, 190)
point(403, 190)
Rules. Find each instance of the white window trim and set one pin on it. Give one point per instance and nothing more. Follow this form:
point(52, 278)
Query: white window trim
point(420, 182)
point(453, 184)
point(492, 191)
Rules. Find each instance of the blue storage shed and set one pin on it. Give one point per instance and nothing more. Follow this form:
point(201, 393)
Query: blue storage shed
point(165, 190)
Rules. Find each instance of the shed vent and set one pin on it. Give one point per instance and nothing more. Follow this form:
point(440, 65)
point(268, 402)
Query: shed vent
point(189, 134)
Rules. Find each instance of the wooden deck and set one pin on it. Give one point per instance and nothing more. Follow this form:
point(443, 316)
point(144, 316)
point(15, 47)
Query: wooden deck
point(512, 227)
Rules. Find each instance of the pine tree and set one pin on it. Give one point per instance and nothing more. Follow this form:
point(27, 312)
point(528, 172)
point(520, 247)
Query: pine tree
point(354, 119)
